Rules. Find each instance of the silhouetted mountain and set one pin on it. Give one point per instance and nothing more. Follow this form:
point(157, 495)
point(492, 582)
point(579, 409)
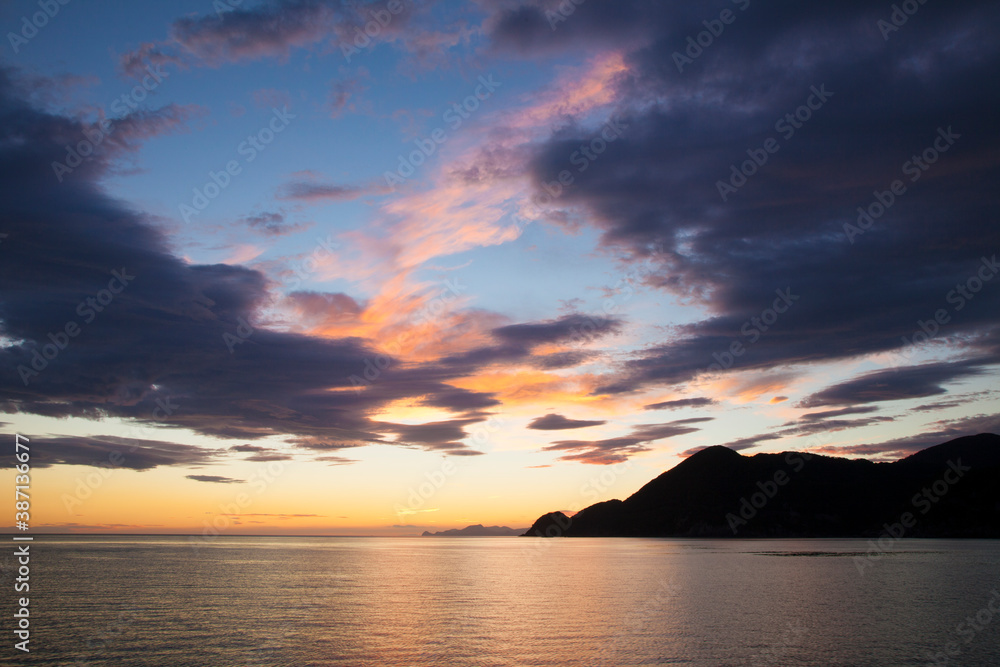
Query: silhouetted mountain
point(477, 530)
point(949, 490)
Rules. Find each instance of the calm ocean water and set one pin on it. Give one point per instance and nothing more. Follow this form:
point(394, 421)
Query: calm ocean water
point(506, 601)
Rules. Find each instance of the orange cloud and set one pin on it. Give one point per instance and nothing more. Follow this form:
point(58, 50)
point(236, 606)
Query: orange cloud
point(576, 91)
point(417, 321)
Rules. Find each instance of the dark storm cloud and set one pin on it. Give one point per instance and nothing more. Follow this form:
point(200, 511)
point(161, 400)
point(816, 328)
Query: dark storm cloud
point(568, 328)
point(215, 479)
point(785, 227)
point(616, 450)
point(248, 448)
point(826, 414)
point(260, 454)
point(955, 400)
point(698, 402)
point(515, 342)
point(526, 27)
point(161, 341)
point(894, 384)
point(342, 460)
point(270, 29)
point(273, 29)
point(89, 147)
point(334, 306)
point(311, 191)
point(933, 407)
point(117, 452)
point(273, 224)
point(143, 124)
point(442, 436)
point(557, 360)
point(832, 425)
point(554, 422)
point(454, 398)
point(134, 64)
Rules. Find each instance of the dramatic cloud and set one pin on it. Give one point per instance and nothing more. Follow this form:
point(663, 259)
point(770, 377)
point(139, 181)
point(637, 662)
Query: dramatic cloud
point(699, 402)
point(311, 191)
point(277, 28)
point(130, 131)
point(215, 479)
point(260, 454)
point(147, 58)
point(516, 342)
point(815, 416)
point(893, 384)
point(442, 436)
point(933, 407)
point(342, 460)
point(570, 328)
point(876, 105)
point(755, 266)
point(273, 224)
point(554, 422)
point(617, 450)
point(271, 29)
point(163, 341)
point(116, 452)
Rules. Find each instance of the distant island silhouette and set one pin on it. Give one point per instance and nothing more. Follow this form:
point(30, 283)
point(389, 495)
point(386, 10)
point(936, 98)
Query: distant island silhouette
point(949, 490)
point(477, 530)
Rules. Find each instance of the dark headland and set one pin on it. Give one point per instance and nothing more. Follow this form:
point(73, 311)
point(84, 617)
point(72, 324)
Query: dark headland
point(949, 490)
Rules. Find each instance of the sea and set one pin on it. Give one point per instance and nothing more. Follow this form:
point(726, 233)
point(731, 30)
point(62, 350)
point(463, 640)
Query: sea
point(312, 601)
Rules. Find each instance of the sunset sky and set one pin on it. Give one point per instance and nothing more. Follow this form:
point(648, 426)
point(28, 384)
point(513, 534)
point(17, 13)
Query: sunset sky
point(489, 260)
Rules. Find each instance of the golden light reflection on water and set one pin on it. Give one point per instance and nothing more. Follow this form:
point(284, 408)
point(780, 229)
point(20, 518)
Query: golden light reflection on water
point(502, 601)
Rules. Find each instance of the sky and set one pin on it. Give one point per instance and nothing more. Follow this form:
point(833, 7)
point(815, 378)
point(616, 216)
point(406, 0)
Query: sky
point(375, 268)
